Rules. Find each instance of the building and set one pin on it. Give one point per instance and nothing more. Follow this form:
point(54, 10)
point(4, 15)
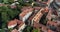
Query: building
point(30, 19)
point(37, 25)
point(42, 27)
point(36, 10)
point(56, 6)
point(38, 16)
point(16, 25)
point(12, 23)
point(24, 8)
point(21, 25)
point(25, 14)
point(52, 25)
point(49, 15)
point(49, 30)
point(58, 28)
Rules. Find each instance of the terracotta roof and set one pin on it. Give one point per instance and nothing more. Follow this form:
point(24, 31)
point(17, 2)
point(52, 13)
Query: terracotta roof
point(49, 15)
point(37, 8)
point(25, 12)
point(46, 9)
point(15, 22)
point(36, 25)
point(20, 23)
point(38, 16)
point(30, 18)
point(42, 27)
point(12, 22)
point(50, 30)
point(15, 30)
point(52, 23)
point(25, 8)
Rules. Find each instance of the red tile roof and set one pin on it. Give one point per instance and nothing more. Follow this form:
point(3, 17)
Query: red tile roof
point(46, 9)
point(12, 22)
point(25, 12)
point(52, 23)
point(36, 25)
point(49, 15)
point(20, 23)
point(50, 30)
point(25, 8)
point(37, 8)
point(15, 22)
point(30, 18)
point(42, 27)
point(38, 16)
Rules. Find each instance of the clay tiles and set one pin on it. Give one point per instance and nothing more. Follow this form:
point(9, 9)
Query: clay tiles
point(42, 27)
point(20, 23)
point(38, 16)
point(15, 22)
point(37, 8)
point(52, 23)
point(49, 30)
point(25, 8)
point(12, 23)
point(30, 18)
point(46, 9)
point(25, 12)
point(36, 25)
point(49, 15)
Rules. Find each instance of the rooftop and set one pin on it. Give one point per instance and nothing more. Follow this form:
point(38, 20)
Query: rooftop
point(50, 30)
point(37, 8)
point(38, 16)
point(20, 23)
point(25, 12)
point(12, 22)
point(52, 23)
point(25, 8)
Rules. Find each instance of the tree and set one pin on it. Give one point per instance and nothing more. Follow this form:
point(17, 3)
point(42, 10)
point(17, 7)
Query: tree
point(28, 29)
point(43, 19)
point(7, 14)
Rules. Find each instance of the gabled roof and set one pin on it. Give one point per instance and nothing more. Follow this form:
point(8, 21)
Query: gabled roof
point(12, 22)
point(52, 23)
point(26, 11)
point(25, 8)
point(37, 8)
point(38, 16)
